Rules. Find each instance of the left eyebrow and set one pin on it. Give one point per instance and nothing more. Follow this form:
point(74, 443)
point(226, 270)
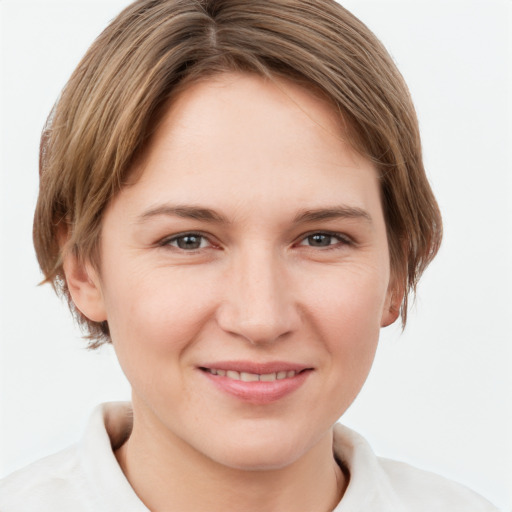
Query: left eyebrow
point(337, 212)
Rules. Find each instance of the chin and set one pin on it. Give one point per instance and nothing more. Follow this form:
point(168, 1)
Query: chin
point(262, 450)
point(256, 459)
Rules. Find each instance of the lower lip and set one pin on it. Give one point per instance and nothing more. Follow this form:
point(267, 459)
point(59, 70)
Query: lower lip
point(258, 392)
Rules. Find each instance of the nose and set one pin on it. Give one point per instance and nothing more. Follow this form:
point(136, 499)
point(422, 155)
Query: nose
point(258, 301)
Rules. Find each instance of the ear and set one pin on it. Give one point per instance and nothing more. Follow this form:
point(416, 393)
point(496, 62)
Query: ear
point(84, 287)
point(392, 305)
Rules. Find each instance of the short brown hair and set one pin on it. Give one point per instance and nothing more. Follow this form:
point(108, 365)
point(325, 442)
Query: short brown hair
point(154, 48)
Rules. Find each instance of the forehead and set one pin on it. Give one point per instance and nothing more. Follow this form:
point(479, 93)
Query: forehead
point(249, 102)
point(263, 141)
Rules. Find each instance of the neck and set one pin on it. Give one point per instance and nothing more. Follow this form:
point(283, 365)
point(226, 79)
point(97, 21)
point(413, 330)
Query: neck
point(162, 470)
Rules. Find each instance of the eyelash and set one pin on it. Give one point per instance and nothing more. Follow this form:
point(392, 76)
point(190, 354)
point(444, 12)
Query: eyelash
point(343, 240)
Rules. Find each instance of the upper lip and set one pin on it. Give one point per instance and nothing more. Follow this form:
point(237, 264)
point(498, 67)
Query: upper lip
point(255, 367)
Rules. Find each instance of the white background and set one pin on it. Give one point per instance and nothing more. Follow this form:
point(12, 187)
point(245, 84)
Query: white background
point(440, 394)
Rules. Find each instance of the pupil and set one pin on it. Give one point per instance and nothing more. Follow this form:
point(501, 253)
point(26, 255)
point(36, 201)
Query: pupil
point(320, 240)
point(189, 242)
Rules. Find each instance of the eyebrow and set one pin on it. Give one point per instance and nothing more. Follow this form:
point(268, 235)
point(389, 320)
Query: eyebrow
point(212, 216)
point(186, 212)
point(337, 212)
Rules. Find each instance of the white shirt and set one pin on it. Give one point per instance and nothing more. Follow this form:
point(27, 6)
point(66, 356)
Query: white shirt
point(87, 478)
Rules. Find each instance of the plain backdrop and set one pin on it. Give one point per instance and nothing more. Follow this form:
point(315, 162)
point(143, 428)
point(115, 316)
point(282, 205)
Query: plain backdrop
point(439, 395)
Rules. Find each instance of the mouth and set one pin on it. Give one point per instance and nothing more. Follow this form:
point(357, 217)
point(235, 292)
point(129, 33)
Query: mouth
point(256, 383)
point(253, 377)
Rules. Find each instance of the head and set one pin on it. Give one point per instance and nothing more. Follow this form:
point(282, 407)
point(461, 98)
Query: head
point(153, 51)
point(232, 186)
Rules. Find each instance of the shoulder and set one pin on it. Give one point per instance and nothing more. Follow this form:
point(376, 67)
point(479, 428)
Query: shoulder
point(422, 490)
point(384, 485)
point(83, 478)
point(46, 485)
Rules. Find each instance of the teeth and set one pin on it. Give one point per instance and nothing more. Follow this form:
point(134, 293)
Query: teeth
point(253, 377)
point(249, 377)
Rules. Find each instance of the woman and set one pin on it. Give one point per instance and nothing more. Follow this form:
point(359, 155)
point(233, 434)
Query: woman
point(234, 197)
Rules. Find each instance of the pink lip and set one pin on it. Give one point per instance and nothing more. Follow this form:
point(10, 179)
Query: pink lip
point(259, 392)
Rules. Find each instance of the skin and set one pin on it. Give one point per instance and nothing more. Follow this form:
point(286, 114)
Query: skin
point(258, 288)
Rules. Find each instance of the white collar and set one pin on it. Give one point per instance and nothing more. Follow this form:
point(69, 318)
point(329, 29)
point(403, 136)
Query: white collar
point(110, 423)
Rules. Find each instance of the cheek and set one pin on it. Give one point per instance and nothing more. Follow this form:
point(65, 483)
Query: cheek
point(349, 298)
point(157, 312)
point(154, 318)
point(348, 315)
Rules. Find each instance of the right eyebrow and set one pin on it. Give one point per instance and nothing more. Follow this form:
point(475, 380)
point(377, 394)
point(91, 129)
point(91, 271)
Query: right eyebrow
point(184, 211)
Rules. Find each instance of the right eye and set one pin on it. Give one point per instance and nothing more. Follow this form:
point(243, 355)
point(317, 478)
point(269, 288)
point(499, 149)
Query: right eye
point(187, 242)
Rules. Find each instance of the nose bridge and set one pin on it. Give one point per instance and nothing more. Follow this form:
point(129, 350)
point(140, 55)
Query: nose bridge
point(258, 304)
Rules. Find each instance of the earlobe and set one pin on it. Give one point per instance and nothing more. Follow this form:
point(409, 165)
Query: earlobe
point(392, 307)
point(84, 287)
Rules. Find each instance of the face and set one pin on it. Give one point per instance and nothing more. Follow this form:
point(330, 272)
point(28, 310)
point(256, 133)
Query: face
point(245, 273)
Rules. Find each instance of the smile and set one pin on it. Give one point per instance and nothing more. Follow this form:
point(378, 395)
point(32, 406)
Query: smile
point(256, 383)
point(252, 377)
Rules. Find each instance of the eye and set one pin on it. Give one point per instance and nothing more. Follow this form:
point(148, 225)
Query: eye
point(325, 240)
point(187, 242)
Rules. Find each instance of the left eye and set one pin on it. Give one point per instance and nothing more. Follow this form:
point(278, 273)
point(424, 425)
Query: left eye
point(188, 242)
point(323, 240)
